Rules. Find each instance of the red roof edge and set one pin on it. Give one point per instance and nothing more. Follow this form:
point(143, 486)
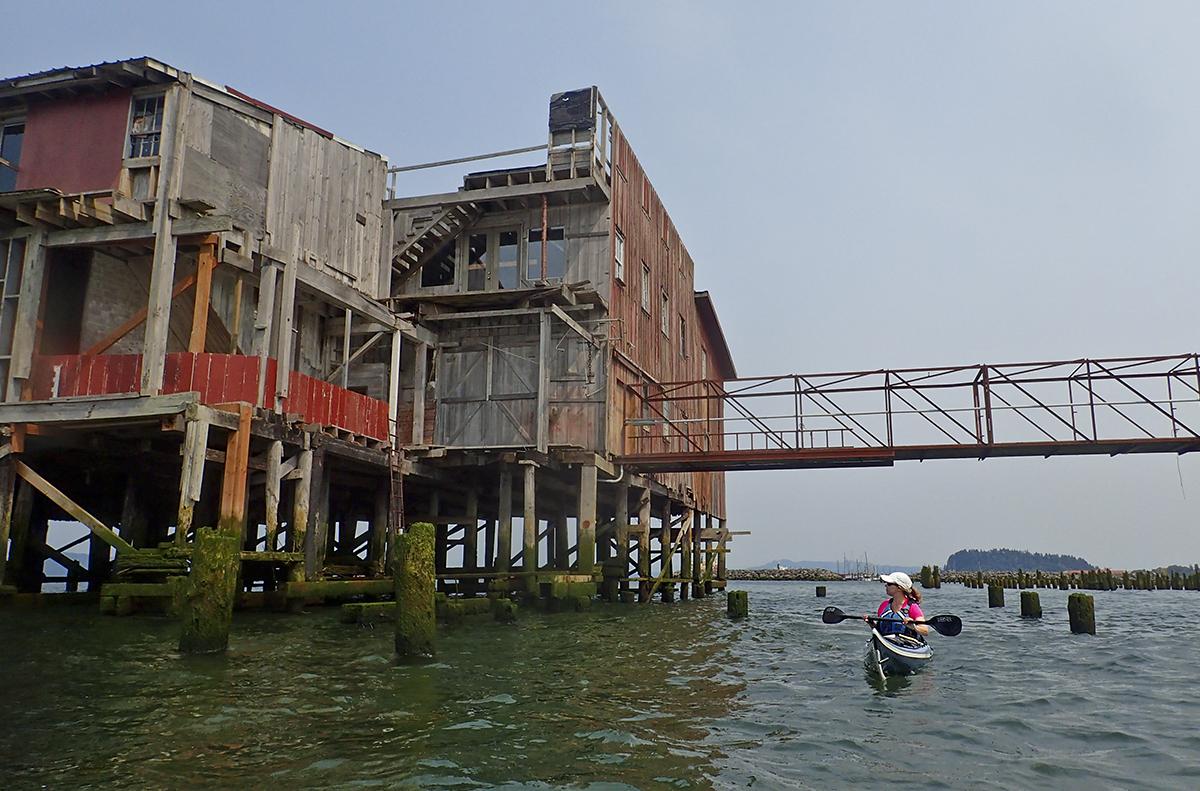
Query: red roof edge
point(712, 328)
point(280, 113)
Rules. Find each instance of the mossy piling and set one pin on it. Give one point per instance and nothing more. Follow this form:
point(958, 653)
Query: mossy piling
point(212, 588)
point(995, 596)
point(1081, 610)
point(738, 604)
point(414, 578)
point(1031, 606)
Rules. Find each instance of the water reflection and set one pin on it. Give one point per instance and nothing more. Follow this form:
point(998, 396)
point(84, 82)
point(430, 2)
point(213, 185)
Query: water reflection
point(562, 701)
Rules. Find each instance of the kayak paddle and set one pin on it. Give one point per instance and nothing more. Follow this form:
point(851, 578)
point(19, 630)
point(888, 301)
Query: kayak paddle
point(949, 625)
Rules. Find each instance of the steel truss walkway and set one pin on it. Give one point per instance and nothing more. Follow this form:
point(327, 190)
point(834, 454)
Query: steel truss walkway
point(875, 418)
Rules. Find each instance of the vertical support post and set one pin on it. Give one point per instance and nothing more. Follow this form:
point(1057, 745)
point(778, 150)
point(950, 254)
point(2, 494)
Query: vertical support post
point(377, 548)
point(504, 521)
point(273, 486)
point(28, 309)
point(98, 559)
point(394, 390)
point(441, 546)
point(191, 476)
point(8, 484)
point(231, 519)
point(543, 390)
point(666, 550)
point(420, 374)
point(585, 524)
point(263, 318)
point(346, 349)
point(162, 268)
point(722, 550)
point(206, 261)
point(489, 544)
point(697, 558)
point(317, 537)
point(529, 533)
point(621, 531)
point(301, 503)
point(471, 531)
point(643, 536)
point(562, 539)
point(21, 527)
point(287, 309)
point(133, 518)
point(685, 553)
point(208, 609)
point(414, 588)
point(709, 556)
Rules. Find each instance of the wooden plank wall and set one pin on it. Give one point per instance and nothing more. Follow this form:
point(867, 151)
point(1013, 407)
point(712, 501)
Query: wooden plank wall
point(652, 239)
point(279, 180)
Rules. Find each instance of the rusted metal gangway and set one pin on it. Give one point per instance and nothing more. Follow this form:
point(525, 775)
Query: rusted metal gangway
point(875, 418)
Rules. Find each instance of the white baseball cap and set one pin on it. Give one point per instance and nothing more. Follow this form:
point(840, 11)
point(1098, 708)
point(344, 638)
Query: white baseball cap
point(898, 578)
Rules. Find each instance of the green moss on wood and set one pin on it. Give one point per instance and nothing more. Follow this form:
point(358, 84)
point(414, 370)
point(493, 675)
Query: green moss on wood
point(414, 586)
point(995, 596)
point(1031, 606)
point(212, 586)
point(738, 604)
point(1081, 610)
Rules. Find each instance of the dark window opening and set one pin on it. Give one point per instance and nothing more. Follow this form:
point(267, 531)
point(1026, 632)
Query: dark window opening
point(11, 138)
point(439, 271)
point(67, 271)
point(477, 261)
point(145, 126)
point(556, 254)
point(509, 260)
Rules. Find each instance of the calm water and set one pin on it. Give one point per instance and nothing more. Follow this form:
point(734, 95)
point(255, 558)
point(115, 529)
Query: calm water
point(621, 697)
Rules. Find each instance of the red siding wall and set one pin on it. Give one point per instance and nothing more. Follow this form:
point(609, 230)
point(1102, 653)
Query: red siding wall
point(74, 145)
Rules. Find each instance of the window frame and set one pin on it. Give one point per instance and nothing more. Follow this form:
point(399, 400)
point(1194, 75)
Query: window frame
point(5, 123)
point(645, 295)
point(529, 242)
point(129, 153)
point(683, 351)
point(664, 322)
point(619, 255)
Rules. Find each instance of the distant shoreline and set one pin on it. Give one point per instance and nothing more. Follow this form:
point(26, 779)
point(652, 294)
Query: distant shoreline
point(788, 575)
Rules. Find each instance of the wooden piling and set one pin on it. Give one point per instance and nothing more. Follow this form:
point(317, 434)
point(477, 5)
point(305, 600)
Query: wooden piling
point(738, 604)
point(643, 538)
point(585, 523)
point(1031, 607)
point(413, 574)
point(504, 522)
point(212, 589)
point(529, 531)
point(995, 596)
point(1081, 611)
point(820, 591)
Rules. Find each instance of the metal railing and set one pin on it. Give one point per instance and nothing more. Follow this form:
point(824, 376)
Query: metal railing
point(1129, 404)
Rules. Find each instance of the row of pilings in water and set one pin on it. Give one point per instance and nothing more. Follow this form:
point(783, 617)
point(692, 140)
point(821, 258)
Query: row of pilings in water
point(1094, 579)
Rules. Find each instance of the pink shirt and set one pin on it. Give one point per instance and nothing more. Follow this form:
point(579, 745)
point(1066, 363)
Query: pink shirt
point(914, 609)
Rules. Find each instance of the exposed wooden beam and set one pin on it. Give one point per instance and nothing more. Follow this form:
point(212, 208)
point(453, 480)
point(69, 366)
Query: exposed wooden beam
point(112, 234)
point(117, 407)
point(491, 193)
point(73, 509)
point(206, 261)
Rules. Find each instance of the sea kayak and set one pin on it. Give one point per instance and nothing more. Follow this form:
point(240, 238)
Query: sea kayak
point(896, 654)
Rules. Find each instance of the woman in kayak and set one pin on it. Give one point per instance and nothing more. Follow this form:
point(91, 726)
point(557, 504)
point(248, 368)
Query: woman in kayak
point(902, 608)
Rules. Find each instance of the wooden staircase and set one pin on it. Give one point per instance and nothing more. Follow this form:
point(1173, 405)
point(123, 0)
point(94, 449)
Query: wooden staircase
point(428, 232)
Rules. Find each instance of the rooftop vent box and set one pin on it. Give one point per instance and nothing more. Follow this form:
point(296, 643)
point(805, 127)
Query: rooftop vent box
point(573, 110)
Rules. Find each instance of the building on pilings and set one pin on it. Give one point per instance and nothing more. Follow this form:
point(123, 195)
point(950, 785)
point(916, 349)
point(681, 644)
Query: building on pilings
point(214, 313)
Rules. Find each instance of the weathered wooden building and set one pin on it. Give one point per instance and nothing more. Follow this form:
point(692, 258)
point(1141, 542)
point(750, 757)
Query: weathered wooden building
point(215, 313)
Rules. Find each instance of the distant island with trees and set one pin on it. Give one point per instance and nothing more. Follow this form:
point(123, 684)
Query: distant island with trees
point(1012, 560)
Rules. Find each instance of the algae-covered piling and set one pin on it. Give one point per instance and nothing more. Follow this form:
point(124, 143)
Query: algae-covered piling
point(1031, 606)
point(208, 609)
point(1081, 610)
point(995, 596)
point(414, 578)
point(738, 604)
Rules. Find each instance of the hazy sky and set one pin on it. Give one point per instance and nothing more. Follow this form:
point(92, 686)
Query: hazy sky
point(860, 185)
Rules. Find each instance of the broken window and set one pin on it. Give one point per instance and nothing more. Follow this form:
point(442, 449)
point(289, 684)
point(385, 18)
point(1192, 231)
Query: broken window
point(509, 260)
point(12, 135)
point(439, 271)
point(556, 254)
point(665, 317)
point(619, 256)
point(645, 287)
point(145, 126)
point(703, 363)
point(477, 261)
point(682, 337)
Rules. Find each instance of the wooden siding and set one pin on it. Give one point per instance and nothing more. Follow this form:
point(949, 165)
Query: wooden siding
point(651, 240)
point(302, 192)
